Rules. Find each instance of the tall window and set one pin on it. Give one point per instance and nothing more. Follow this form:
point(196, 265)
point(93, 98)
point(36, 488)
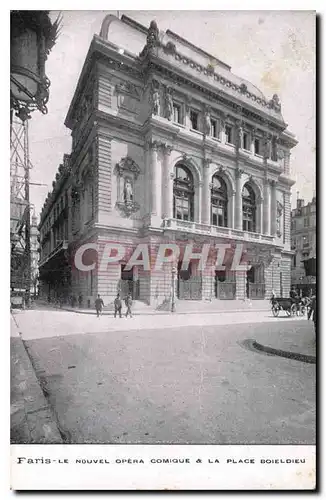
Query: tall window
point(177, 117)
point(183, 194)
point(246, 141)
point(194, 119)
point(219, 202)
point(258, 148)
point(229, 134)
point(248, 209)
point(214, 128)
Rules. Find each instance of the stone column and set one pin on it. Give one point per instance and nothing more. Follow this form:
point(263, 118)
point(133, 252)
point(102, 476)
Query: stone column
point(198, 212)
point(154, 178)
point(260, 215)
point(206, 198)
point(231, 209)
point(167, 191)
point(147, 179)
point(273, 208)
point(238, 200)
point(266, 209)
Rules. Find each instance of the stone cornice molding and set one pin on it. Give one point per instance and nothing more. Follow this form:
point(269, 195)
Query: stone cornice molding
point(209, 88)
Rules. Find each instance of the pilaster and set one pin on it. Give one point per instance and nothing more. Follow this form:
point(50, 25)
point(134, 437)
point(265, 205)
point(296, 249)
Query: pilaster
point(206, 198)
point(167, 182)
point(238, 199)
point(266, 208)
point(273, 208)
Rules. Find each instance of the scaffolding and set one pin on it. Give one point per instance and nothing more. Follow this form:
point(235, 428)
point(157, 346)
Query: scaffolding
point(20, 225)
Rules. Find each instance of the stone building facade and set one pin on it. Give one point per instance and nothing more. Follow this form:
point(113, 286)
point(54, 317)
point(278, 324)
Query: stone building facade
point(303, 243)
point(168, 146)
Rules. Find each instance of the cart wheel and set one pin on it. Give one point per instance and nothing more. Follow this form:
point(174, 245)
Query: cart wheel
point(275, 310)
point(292, 311)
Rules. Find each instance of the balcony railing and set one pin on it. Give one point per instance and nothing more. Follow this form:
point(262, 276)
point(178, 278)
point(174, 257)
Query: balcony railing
point(198, 228)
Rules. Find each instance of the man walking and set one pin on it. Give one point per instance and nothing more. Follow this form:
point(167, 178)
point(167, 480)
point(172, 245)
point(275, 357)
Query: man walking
point(117, 306)
point(98, 305)
point(128, 302)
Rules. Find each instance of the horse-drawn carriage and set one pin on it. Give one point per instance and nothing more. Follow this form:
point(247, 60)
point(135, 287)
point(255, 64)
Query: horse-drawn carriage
point(292, 307)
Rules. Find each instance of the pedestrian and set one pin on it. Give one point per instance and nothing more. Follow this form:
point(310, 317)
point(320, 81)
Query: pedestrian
point(117, 306)
point(98, 305)
point(80, 301)
point(313, 311)
point(128, 302)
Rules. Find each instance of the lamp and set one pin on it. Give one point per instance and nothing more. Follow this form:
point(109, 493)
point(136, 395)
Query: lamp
point(32, 37)
point(174, 271)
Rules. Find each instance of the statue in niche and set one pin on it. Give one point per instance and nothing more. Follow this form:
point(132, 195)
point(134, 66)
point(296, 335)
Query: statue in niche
point(156, 102)
point(207, 122)
point(169, 105)
point(128, 191)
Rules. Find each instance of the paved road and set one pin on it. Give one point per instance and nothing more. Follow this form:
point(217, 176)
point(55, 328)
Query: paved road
point(176, 384)
point(49, 323)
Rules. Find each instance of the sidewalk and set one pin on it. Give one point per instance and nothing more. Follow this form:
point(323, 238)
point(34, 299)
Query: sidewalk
point(182, 307)
point(31, 419)
point(292, 343)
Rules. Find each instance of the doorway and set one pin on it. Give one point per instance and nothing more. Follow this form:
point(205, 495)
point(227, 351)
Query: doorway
point(128, 283)
point(189, 286)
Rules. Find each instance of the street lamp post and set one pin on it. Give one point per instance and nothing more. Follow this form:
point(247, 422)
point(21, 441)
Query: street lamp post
point(173, 289)
point(32, 36)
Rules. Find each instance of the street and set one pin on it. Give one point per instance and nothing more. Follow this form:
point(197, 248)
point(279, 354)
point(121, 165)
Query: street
point(162, 380)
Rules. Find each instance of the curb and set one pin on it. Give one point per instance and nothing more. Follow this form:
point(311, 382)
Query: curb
point(305, 358)
point(163, 313)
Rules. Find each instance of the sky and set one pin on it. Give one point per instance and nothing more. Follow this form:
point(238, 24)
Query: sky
point(275, 50)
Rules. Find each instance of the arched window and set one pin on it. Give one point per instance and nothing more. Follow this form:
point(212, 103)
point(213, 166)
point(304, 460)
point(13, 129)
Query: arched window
point(183, 194)
point(219, 202)
point(248, 209)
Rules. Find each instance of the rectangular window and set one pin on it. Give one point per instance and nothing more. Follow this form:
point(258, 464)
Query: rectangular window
point(177, 118)
point(214, 128)
point(306, 222)
point(194, 119)
point(228, 134)
point(257, 147)
point(246, 142)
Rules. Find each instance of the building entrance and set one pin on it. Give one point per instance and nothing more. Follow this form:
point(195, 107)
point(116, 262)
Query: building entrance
point(128, 283)
point(224, 288)
point(255, 287)
point(189, 286)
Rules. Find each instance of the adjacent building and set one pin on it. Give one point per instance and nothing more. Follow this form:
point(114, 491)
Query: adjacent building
point(303, 243)
point(168, 146)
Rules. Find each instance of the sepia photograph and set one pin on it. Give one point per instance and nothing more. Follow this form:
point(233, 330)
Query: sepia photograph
point(163, 288)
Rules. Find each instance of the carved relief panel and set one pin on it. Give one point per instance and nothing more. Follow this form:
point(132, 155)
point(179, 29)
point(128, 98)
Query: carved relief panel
point(128, 97)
